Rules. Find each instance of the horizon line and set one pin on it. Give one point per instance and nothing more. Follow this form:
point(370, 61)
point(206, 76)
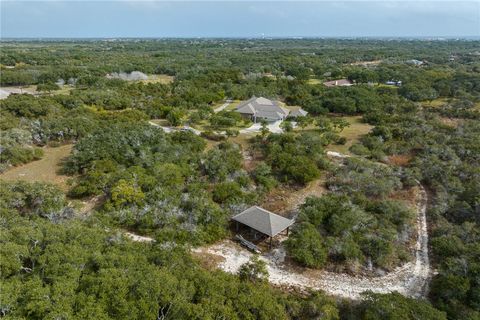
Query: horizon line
point(456, 37)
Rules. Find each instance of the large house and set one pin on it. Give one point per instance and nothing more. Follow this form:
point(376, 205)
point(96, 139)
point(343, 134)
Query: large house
point(257, 109)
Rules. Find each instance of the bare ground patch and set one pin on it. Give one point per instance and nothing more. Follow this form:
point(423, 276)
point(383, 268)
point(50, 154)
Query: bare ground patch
point(400, 159)
point(287, 200)
point(43, 170)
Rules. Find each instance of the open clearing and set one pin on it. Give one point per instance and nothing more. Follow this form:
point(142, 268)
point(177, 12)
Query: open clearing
point(159, 78)
point(353, 133)
point(43, 170)
point(6, 91)
point(411, 279)
point(287, 201)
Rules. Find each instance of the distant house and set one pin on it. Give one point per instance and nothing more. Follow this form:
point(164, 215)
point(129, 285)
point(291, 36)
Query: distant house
point(338, 83)
point(257, 109)
point(261, 108)
point(394, 83)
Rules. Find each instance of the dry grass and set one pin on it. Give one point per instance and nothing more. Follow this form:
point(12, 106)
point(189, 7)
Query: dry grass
point(161, 122)
point(285, 199)
point(400, 159)
point(353, 133)
point(211, 144)
point(243, 140)
point(159, 78)
point(207, 260)
point(43, 170)
point(451, 122)
point(436, 103)
point(65, 89)
point(366, 63)
point(232, 106)
point(407, 195)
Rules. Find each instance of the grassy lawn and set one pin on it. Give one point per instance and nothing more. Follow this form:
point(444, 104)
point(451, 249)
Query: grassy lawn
point(353, 133)
point(233, 105)
point(384, 85)
point(44, 170)
point(230, 107)
point(313, 81)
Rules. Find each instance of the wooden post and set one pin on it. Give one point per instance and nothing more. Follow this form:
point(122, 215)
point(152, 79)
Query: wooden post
point(287, 230)
point(271, 242)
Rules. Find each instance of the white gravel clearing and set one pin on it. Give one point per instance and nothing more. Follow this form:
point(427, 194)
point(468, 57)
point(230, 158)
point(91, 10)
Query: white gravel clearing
point(137, 238)
point(410, 279)
point(337, 155)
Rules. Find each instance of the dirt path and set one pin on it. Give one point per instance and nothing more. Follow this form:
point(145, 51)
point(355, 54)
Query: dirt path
point(411, 279)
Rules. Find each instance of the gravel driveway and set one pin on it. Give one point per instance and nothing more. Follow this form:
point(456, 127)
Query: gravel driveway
point(256, 127)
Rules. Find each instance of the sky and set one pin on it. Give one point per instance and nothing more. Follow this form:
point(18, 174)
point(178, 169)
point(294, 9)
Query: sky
point(158, 19)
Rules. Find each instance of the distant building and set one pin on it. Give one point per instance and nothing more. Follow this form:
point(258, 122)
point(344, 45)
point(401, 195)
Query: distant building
point(338, 83)
point(394, 83)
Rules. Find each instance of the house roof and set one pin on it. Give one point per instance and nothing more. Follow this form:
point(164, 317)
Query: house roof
point(263, 108)
point(263, 220)
point(298, 112)
point(338, 83)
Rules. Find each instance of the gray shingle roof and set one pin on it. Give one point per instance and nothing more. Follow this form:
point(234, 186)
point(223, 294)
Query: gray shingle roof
point(299, 112)
point(263, 220)
point(263, 108)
